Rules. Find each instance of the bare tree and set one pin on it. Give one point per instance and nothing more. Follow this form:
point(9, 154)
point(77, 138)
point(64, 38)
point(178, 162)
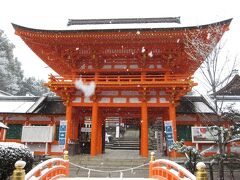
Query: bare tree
point(216, 70)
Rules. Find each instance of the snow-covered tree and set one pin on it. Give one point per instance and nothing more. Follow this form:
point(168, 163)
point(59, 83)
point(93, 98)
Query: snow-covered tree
point(215, 72)
point(33, 87)
point(10, 153)
point(11, 74)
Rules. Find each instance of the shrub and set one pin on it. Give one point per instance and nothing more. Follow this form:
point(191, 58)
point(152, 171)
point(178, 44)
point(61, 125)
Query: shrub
point(11, 153)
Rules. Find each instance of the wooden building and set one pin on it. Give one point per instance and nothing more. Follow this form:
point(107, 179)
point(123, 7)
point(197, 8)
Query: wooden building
point(139, 74)
point(192, 111)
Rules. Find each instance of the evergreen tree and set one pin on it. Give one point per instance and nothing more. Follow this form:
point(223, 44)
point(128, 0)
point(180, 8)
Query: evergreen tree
point(11, 75)
point(33, 87)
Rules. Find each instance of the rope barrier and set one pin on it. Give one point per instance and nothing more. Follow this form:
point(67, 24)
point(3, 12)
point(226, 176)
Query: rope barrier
point(101, 171)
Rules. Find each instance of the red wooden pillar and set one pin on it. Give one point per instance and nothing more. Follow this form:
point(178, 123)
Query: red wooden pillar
point(69, 124)
point(94, 129)
point(1, 133)
point(144, 130)
point(76, 123)
point(99, 136)
point(172, 117)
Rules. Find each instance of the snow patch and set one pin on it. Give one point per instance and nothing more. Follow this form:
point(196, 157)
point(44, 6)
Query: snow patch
point(200, 166)
point(150, 54)
point(208, 36)
point(87, 89)
point(12, 144)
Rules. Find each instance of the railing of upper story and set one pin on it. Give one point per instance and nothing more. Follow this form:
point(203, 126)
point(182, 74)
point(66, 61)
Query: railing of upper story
point(163, 169)
point(123, 79)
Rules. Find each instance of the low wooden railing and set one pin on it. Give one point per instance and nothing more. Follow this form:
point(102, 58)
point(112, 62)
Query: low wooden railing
point(48, 170)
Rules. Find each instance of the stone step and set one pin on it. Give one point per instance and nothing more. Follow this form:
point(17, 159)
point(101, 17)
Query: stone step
point(114, 164)
point(109, 161)
point(126, 141)
point(127, 156)
point(125, 148)
point(117, 162)
point(103, 164)
point(125, 144)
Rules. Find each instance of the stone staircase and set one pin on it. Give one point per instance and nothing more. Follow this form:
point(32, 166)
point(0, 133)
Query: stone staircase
point(123, 144)
point(126, 144)
point(129, 141)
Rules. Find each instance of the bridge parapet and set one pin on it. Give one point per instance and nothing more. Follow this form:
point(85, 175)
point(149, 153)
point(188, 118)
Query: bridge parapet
point(163, 169)
point(50, 169)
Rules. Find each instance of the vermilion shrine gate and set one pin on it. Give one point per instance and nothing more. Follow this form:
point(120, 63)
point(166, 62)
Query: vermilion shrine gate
point(139, 74)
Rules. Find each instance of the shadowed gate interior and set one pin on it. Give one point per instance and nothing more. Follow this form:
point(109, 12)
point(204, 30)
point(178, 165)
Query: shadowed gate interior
point(120, 129)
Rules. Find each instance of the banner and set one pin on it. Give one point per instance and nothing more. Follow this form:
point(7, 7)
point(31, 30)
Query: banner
point(168, 132)
point(62, 134)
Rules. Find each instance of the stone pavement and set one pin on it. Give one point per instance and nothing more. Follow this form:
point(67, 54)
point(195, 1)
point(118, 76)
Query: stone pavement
point(125, 162)
point(120, 160)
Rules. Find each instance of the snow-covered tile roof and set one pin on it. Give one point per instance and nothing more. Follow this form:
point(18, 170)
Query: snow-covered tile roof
point(15, 106)
point(201, 107)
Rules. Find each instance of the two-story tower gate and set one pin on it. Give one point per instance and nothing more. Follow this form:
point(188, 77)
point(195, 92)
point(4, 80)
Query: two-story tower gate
point(145, 71)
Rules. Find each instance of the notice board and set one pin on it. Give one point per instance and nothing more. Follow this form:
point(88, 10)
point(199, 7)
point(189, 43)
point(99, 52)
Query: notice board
point(37, 134)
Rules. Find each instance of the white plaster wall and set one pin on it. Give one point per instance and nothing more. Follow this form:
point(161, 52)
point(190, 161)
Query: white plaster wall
point(56, 148)
point(152, 100)
point(163, 100)
point(107, 67)
point(104, 100)
point(87, 100)
point(119, 100)
point(37, 147)
point(134, 100)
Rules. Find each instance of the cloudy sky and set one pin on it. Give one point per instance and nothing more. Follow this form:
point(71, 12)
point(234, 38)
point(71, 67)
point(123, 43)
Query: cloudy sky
point(54, 14)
